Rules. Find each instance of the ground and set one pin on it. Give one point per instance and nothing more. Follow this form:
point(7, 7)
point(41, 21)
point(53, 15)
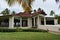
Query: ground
point(28, 36)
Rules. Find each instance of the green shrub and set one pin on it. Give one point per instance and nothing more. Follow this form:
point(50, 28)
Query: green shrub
point(34, 30)
point(7, 30)
point(19, 29)
point(22, 30)
point(10, 30)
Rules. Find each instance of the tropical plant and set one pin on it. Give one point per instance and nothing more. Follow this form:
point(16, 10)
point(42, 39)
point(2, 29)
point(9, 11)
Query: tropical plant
point(52, 13)
point(5, 12)
point(39, 9)
point(26, 4)
point(13, 12)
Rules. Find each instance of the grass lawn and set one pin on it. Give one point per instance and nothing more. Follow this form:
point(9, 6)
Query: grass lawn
point(28, 36)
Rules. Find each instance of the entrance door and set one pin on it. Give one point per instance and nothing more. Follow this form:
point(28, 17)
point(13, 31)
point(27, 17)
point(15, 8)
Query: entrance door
point(24, 23)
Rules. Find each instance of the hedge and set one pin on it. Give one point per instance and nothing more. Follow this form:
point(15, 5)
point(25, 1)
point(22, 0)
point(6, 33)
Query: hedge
point(34, 30)
point(22, 30)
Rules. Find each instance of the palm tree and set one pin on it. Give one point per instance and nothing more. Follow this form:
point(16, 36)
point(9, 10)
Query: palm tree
point(13, 12)
point(57, 1)
point(5, 12)
point(39, 9)
point(52, 13)
point(56, 16)
point(26, 4)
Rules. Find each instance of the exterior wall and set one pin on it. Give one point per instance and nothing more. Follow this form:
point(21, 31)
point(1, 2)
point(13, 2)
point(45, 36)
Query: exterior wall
point(29, 22)
point(38, 21)
point(11, 22)
point(55, 21)
point(20, 22)
point(55, 28)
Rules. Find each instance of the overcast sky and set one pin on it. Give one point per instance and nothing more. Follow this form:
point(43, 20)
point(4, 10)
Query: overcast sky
point(46, 6)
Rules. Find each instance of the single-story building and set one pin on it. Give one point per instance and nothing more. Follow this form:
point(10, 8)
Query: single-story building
point(30, 20)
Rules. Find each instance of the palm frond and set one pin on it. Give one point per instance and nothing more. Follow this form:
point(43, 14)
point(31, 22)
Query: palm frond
point(26, 4)
point(10, 2)
point(19, 1)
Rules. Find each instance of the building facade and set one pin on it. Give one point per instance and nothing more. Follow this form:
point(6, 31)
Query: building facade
point(30, 20)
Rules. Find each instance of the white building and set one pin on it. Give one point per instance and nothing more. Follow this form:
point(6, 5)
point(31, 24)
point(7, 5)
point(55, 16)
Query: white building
point(30, 20)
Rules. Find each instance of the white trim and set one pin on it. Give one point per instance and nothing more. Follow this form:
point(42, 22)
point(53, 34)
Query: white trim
point(20, 22)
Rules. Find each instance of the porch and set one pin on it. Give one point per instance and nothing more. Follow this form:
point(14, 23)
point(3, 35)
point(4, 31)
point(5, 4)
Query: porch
point(39, 21)
point(17, 21)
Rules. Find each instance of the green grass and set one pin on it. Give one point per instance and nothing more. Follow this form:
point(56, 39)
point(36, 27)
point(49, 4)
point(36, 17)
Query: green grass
point(28, 36)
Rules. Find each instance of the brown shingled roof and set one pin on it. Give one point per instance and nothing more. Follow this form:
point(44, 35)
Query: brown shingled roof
point(22, 14)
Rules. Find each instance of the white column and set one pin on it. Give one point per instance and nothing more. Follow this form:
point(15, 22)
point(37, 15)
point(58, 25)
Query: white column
point(44, 21)
point(34, 21)
point(29, 22)
point(38, 21)
point(55, 21)
point(20, 22)
point(11, 22)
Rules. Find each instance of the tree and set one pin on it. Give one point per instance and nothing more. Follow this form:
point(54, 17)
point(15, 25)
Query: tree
point(39, 9)
point(26, 4)
point(52, 13)
point(13, 12)
point(5, 12)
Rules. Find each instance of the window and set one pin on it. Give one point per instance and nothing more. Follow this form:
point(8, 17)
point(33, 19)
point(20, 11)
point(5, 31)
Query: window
point(42, 21)
point(4, 22)
point(32, 22)
point(50, 21)
point(24, 22)
point(58, 21)
point(16, 23)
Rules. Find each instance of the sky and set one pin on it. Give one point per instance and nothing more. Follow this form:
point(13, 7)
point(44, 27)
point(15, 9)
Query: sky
point(46, 6)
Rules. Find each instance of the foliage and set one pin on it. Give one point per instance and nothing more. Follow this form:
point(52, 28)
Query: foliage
point(52, 13)
point(26, 4)
point(34, 30)
point(19, 29)
point(13, 12)
point(7, 30)
point(5, 12)
point(22, 30)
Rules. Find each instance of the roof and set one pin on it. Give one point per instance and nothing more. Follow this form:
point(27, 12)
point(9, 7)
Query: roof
point(23, 14)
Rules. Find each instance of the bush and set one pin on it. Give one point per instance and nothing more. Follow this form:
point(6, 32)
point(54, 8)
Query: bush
point(19, 29)
point(7, 30)
point(22, 30)
point(34, 30)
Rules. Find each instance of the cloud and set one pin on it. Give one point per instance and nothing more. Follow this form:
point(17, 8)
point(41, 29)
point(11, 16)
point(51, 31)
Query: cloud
point(46, 6)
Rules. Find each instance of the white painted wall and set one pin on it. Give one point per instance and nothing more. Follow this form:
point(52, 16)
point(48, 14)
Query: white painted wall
point(11, 22)
point(54, 28)
point(29, 22)
point(55, 21)
point(20, 22)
